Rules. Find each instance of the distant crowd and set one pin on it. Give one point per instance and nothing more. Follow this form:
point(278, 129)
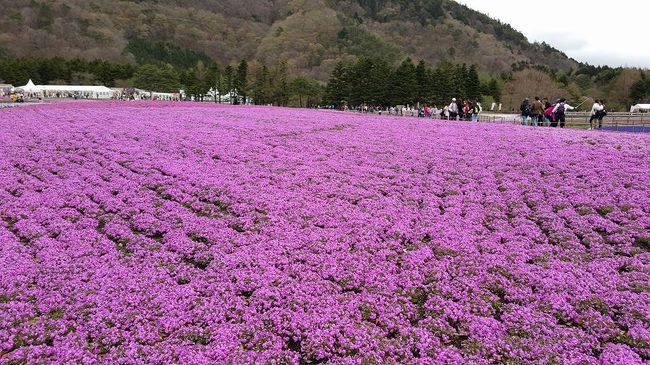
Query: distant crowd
point(544, 113)
point(539, 112)
point(456, 110)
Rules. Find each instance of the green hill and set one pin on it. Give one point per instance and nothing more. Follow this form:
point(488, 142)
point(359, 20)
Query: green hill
point(312, 35)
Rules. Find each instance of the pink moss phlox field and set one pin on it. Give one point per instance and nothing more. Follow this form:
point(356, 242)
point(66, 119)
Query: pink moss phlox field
point(140, 233)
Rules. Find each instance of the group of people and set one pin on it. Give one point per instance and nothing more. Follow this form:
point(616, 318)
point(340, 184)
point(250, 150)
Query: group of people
point(466, 110)
point(598, 112)
point(456, 110)
point(17, 98)
point(544, 113)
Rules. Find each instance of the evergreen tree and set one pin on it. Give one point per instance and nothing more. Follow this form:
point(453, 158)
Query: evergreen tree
point(260, 86)
point(378, 80)
point(404, 83)
point(473, 84)
point(241, 81)
point(494, 90)
point(460, 81)
point(338, 88)
point(422, 79)
point(213, 80)
point(446, 76)
point(305, 89)
point(279, 85)
point(157, 78)
point(196, 81)
point(359, 79)
point(229, 82)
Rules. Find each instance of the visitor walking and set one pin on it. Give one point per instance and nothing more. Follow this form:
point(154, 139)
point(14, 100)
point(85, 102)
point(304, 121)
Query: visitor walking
point(548, 108)
point(560, 112)
point(601, 114)
point(538, 112)
point(596, 110)
point(453, 110)
point(476, 111)
point(467, 105)
point(526, 111)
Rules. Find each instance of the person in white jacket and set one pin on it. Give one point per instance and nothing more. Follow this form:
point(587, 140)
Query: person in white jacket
point(453, 110)
point(559, 111)
point(596, 111)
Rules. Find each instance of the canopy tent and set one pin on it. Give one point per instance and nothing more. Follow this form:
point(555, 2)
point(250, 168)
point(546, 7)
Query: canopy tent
point(640, 108)
point(30, 88)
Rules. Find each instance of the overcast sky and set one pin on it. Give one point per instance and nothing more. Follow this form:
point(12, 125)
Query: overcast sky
point(598, 32)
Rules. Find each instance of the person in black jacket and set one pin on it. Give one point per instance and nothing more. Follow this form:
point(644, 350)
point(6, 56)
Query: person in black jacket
point(526, 111)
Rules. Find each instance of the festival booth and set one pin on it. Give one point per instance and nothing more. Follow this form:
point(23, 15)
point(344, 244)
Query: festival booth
point(214, 95)
point(165, 96)
point(66, 91)
point(6, 89)
point(79, 91)
point(30, 90)
point(640, 108)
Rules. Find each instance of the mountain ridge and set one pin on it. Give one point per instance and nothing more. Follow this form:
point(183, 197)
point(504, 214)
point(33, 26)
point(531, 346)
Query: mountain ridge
point(312, 35)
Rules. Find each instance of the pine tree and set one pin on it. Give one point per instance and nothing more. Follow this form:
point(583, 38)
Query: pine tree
point(279, 84)
point(404, 83)
point(445, 80)
point(422, 80)
point(337, 92)
point(307, 90)
point(473, 84)
point(378, 81)
point(155, 78)
point(229, 79)
point(494, 90)
point(213, 79)
point(460, 81)
point(260, 88)
point(361, 82)
point(241, 81)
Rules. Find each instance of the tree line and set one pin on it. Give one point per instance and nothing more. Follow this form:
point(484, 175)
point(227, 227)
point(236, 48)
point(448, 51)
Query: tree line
point(265, 84)
point(17, 71)
point(375, 82)
point(366, 81)
point(640, 90)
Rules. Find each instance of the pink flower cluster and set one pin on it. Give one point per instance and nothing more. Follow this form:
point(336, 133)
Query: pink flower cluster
point(138, 233)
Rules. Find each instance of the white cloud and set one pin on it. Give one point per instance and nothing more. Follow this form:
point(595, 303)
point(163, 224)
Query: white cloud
point(596, 31)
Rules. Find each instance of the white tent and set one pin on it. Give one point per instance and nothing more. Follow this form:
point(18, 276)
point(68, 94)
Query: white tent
point(83, 91)
point(30, 88)
point(640, 108)
point(89, 92)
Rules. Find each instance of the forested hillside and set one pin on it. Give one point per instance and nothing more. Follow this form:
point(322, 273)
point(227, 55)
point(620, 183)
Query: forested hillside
point(312, 35)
